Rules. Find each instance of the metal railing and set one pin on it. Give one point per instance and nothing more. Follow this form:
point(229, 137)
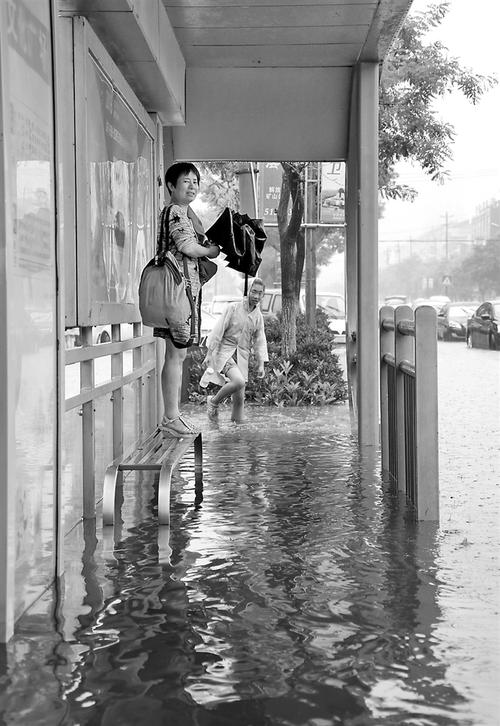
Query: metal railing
point(408, 402)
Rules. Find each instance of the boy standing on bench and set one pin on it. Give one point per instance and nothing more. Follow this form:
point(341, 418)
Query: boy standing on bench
point(239, 330)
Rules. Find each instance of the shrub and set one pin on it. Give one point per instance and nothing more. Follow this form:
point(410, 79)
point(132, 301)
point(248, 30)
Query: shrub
point(312, 376)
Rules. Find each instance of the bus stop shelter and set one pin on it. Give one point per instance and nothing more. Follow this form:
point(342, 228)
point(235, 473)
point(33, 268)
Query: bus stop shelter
point(97, 98)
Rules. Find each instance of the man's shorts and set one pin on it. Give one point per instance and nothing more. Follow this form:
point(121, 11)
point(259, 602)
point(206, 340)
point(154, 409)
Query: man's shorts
point(230, 363)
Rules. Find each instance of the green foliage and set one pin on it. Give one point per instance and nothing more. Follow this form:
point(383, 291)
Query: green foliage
point(311, 376)
point(219, 184)
point(475, 276)
point(416, 72)
point(478, 275)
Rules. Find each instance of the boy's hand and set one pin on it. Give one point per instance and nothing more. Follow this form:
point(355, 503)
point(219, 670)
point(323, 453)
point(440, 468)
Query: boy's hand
point(260, 371)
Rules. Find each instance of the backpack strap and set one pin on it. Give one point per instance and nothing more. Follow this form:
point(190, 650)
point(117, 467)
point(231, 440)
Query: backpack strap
point(162, 236)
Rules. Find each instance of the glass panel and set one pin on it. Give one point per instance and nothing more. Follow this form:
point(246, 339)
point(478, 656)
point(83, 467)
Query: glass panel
point(120, 171)
point(102, 370)
point(103, 440)
point(72, 380)
point(25, 39)
point(71, 475)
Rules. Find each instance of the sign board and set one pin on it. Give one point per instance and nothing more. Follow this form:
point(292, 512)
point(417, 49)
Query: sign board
point(332, 207)
point(270, 176)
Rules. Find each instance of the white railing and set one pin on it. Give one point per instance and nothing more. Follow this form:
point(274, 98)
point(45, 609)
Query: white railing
point(409, 407)
point(142, 375)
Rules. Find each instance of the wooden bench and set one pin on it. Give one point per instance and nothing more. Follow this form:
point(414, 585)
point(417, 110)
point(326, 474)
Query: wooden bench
point(154, 453)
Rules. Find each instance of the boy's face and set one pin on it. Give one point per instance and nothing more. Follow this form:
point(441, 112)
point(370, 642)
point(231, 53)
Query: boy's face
point(255, 294)
point(185, 190)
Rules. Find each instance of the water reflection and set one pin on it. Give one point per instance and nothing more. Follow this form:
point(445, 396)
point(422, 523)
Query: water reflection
point(293, 592)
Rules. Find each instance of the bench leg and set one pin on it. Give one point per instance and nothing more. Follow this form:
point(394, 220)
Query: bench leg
point(164, 492)
point(109, 494)
point(198, 463)
point(164, 548)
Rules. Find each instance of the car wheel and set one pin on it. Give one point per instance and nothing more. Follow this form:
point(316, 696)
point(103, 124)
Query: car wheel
point(469, 341)
point(104, 337)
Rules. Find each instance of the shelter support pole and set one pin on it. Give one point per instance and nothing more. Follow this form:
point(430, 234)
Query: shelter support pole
point(367, 257)
point(351, 248)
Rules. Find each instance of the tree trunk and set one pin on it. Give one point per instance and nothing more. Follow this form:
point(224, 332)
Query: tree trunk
point(292, 251)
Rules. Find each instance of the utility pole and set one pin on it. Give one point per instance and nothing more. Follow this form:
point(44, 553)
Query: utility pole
point(446, 236)
point(311, 199)
point(446, 252)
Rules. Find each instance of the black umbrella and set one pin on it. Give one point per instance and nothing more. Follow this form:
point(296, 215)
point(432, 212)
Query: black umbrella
point(240, 238)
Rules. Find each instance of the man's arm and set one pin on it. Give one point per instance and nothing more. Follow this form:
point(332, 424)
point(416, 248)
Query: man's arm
point(260, 346)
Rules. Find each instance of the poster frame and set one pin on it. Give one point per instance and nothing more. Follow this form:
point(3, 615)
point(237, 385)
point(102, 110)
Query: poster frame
point(89, 311)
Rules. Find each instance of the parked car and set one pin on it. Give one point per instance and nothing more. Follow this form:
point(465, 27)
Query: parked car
point(331, 302)
point(483, 327)
point(395, 300)
point(334, 306)
point(452, 320)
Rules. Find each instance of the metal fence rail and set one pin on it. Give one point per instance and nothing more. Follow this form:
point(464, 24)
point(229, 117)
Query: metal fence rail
point(408, 400)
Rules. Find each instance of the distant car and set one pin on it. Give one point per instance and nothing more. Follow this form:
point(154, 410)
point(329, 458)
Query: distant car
point(219, 302)
point(436, 304)
point(208, 321)
point(483, 327)
point(334, 306)
point(452, 320)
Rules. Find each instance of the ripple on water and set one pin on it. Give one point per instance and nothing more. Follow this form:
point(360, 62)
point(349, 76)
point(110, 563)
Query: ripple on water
point(294, 593)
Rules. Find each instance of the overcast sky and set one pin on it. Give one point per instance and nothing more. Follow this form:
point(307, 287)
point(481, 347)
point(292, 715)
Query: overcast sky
point(470, 31)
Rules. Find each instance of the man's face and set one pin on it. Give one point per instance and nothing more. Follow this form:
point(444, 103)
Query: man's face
point(256, 294)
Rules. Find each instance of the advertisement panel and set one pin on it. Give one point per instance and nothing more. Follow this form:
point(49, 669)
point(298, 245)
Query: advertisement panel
point(120, 169)
point(332, 207)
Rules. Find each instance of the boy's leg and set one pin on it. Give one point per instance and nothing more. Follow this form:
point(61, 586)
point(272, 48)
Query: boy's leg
point(238, 399)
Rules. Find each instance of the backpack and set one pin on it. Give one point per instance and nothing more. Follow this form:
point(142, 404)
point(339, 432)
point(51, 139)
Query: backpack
point(165, 298)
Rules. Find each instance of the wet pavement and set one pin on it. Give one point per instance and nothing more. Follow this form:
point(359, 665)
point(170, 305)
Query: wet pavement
point(293, 590)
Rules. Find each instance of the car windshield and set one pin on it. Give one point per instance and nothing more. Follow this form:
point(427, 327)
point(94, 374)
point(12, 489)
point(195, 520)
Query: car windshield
point(331, 303)
point(219, 306)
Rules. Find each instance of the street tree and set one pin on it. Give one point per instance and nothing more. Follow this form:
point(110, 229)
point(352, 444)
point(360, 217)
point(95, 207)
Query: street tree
point(416, 73)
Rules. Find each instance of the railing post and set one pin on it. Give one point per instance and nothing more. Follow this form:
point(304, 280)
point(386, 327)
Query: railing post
point(88, 430)
point(117, 396)
point(386, 346)
point(426, 403)
point(403, 351)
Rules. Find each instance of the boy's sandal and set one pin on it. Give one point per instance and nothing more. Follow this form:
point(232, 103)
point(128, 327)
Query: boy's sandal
point(177, 427)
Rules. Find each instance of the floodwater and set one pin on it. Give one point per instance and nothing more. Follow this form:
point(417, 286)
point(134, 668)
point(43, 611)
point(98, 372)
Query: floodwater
point(294, 590)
